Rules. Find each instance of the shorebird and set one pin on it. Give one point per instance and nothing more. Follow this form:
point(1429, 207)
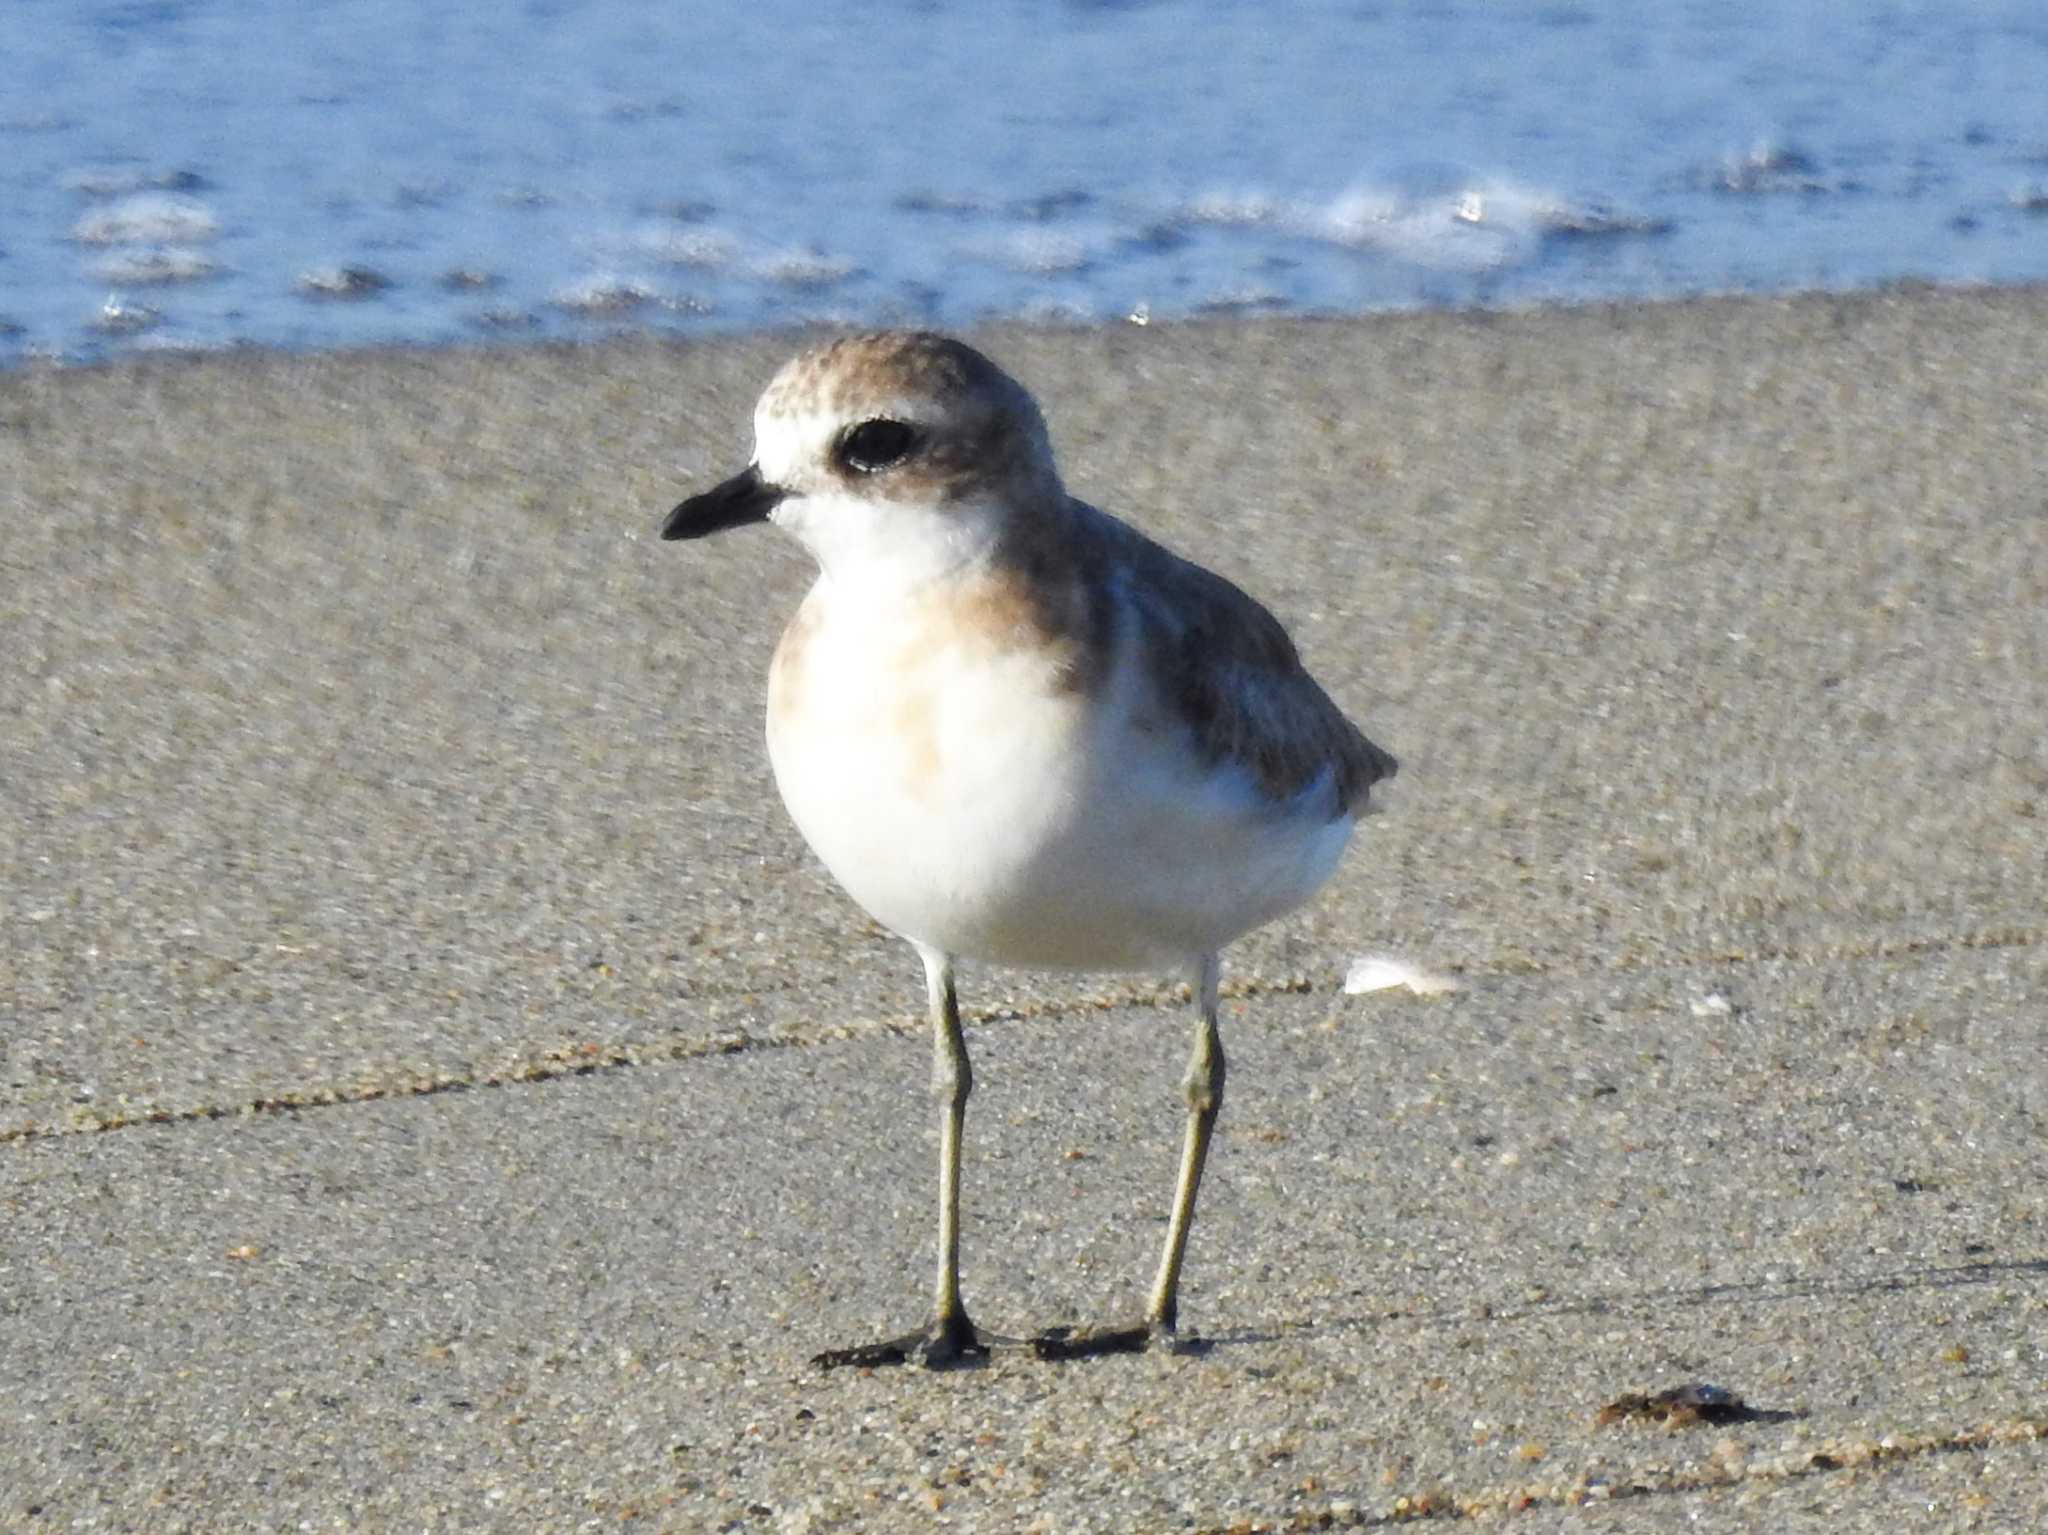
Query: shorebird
point(1017, 730)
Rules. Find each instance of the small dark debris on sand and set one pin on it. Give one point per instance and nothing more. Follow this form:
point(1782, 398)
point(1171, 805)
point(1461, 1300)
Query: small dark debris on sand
point(1678, 1407)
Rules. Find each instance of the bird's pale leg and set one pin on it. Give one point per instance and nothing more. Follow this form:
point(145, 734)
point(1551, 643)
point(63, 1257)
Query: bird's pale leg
point(1203, 1089)
point(952, 1081)
point(951, 1336)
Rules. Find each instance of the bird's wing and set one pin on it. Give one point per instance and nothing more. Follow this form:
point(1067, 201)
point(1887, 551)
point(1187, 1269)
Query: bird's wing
point(1225, 669)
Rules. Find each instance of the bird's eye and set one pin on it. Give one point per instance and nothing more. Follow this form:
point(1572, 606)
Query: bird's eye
point(874, 445)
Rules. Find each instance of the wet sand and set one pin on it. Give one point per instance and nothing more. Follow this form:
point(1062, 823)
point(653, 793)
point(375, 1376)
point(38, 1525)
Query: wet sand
point(438, 1084)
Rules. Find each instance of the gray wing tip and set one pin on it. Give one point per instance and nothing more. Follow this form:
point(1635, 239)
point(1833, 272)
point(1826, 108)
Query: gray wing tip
point(1362, 767)
point(1369, 762)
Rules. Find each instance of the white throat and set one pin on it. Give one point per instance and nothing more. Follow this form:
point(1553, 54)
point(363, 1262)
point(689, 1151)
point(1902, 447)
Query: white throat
point(889, 543)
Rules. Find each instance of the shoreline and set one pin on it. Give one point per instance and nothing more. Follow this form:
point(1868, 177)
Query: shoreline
point(484, 345)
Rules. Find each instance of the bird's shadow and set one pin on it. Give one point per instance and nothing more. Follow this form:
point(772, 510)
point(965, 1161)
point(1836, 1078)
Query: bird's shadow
point(1068, 1345)
point(1768, 1291)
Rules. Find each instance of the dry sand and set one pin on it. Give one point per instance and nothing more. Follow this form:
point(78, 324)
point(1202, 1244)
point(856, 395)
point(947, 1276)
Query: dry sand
point(362, 745)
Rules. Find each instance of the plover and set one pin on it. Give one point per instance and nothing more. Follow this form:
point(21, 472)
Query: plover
point(1017, 730)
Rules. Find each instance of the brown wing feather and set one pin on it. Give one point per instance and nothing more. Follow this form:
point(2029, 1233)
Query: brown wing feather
point(1228, 671)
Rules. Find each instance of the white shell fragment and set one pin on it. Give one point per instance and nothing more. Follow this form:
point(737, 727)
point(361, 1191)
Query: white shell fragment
point(1384, 972)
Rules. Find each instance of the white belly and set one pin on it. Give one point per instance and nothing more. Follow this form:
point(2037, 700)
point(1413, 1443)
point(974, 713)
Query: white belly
point(967, 801)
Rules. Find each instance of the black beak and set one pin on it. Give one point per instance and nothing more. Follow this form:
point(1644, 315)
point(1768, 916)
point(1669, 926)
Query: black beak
point(744, 498)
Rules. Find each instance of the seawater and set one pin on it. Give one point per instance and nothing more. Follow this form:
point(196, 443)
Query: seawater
point(202, 173)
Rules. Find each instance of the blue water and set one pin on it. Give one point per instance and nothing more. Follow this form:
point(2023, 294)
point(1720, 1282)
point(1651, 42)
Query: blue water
point(208, 172)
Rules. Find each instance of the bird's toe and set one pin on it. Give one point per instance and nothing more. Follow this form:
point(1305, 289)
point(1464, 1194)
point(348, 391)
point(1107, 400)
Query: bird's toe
point(1092, 1342)
point(946, 1342)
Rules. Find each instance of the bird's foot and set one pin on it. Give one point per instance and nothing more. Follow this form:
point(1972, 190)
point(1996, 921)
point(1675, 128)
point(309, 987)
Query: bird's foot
point(1092, 1342)
point(948, 1341)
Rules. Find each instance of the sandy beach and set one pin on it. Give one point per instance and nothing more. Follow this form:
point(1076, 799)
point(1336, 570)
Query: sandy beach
point(439, 1091)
